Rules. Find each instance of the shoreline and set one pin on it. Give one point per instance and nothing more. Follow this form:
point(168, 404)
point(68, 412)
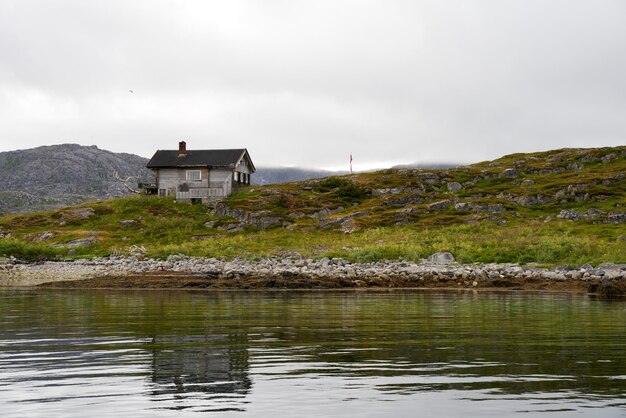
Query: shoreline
point(293, 273)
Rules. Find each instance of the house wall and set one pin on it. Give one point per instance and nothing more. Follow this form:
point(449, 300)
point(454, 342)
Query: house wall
point(167, 178)
point(243, 167)
point(222, 177)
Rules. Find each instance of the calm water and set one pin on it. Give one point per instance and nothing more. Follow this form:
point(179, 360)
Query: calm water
point(400, 353)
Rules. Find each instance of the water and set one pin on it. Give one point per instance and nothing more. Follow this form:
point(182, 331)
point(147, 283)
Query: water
point(283, 354)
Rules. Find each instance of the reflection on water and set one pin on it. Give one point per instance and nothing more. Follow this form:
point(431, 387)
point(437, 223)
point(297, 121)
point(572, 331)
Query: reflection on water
point(407, 353)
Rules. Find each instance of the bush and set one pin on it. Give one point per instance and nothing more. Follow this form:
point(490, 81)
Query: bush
point(330, 183)
point(27, 251)
point(352, 193)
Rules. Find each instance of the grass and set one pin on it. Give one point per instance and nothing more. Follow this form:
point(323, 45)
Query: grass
point(398, 225)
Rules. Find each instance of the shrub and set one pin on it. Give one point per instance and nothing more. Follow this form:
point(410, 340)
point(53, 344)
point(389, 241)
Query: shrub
point(351, 193)
point(330, 183)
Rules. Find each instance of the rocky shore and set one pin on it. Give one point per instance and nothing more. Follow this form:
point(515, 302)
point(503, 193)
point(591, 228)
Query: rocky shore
point(179, 271)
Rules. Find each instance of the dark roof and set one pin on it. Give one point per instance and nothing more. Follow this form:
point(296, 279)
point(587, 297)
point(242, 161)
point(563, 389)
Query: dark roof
point(199, 158)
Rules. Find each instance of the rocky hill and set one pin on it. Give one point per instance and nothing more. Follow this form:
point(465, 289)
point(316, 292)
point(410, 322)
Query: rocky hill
point(59, 175)
point(572, 184)
point(562, 206)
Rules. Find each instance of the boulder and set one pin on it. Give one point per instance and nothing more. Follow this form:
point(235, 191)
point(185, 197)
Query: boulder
point(608, 158)
point(454, 186)
point(44, 236)
point(441, 205)
point(616, 217)
point(82, 213)
point(463, 206)
point(570, 214)
point(82, 242)
point(382, 192)
point(509, 173)
point(593, 213)
point(428, 178)
point(495, 208)
point(441, 258)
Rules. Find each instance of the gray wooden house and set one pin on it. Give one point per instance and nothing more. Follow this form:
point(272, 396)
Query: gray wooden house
point(200, 176)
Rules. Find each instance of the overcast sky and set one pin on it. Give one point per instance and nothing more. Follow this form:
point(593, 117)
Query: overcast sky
point(309, 82)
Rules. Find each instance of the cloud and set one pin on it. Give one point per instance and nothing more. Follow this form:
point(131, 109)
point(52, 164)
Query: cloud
point(308, 82)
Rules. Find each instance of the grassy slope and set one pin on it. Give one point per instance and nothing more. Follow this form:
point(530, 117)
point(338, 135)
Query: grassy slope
point(388, 225)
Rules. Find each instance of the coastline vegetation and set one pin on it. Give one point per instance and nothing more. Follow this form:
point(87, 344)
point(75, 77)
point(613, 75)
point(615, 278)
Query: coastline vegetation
point(507, 210)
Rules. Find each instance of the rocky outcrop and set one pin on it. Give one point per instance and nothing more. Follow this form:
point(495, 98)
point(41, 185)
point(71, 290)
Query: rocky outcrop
point(614, 217)
point(260, 219)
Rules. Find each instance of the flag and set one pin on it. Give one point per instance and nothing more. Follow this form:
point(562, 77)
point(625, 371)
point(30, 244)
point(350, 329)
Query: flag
point(350, 163)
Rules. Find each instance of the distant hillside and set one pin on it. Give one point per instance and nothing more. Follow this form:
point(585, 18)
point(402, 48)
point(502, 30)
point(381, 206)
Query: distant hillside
point(59, 175)
point(428, 166)
point(277, 175)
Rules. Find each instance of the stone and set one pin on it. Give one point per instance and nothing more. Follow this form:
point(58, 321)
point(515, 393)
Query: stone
point(228, 227)
point(495, 208)
point(348, 226)
point(608, 158)
point(594, 213)
point(382, 192)
point(210, 224)
point(509, 173)
point(463, 207)
point(527, 182)
point(82, 213)
point(441, 258)
point(128, 222)
point(589, 158)
point(82, 242)
point(44, 236)
point(428, 178)
point(454, 186)
point(616, 217)
point(441, 205)
point(526, 200)
point(265, 222)
point(575, 166)
point(570, 214)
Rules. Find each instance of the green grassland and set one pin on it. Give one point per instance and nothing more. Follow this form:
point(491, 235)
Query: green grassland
point(496, 211)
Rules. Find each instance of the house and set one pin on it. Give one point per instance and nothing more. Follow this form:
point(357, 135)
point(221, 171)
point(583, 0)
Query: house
point(200, 176)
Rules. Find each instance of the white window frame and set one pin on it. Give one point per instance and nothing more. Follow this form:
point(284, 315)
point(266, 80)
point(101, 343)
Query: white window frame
point(193, 175)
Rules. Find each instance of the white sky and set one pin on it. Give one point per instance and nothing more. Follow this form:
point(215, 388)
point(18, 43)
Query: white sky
point(307, 82)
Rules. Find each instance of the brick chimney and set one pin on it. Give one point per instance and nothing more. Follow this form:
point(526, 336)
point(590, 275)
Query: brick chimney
point(182, 148)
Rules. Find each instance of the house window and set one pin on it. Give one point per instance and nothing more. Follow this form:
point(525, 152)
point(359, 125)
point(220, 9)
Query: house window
point(236, 176)
point(194, 175)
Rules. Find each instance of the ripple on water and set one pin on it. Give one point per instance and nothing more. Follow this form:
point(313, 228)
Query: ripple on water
point(65, 353)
